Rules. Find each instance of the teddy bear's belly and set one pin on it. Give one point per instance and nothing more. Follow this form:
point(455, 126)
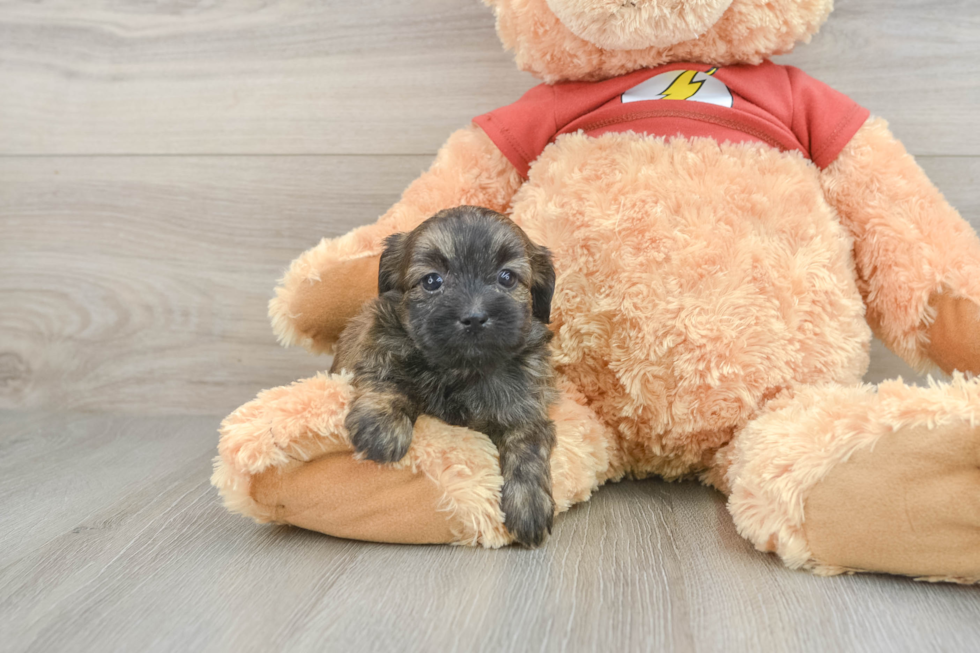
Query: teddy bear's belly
point(695, 282)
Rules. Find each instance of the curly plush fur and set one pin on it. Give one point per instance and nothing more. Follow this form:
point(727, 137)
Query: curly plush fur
point(748, 32)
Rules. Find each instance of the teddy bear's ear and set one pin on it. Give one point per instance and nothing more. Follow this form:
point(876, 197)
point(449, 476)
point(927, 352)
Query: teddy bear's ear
point(542, 283)
point(391, 262)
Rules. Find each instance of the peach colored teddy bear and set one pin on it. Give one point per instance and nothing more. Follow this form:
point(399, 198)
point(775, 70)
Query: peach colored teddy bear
point(724, 231)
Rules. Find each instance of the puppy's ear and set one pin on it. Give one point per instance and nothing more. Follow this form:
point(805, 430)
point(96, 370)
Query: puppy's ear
point(391, 261)
point(542, 283)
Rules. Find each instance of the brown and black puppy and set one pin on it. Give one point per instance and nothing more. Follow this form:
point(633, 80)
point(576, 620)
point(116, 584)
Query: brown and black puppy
point(458, 332)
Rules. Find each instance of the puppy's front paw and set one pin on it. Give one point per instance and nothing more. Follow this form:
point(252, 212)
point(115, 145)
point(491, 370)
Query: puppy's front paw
point(381, 435)
point(529, 512)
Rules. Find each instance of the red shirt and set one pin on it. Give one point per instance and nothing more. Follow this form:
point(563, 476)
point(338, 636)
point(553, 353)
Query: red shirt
point(778, 105)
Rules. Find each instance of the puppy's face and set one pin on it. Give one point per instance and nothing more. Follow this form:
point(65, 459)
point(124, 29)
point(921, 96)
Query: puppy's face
point(472, 285)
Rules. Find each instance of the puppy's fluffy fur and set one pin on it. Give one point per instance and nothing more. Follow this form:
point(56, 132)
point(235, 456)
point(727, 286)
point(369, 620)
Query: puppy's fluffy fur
point(458, 332)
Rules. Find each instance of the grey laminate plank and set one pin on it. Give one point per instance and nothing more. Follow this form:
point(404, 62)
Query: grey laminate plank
point(252, 76)
point(743, 600)
point(643, 566)
point(266, 76)
point(140, 285)
point(56, 470)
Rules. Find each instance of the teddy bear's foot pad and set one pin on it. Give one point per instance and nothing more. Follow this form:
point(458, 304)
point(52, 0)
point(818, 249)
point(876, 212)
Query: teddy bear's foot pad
point(908, 505)
point(361, 500)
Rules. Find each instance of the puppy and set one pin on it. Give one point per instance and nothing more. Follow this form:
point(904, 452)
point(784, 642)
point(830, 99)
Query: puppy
point(458, 332)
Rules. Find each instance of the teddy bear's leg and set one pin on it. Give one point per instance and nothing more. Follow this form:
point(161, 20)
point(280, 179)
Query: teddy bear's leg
point(327, 284)
point(857, 478)
point(918, 261)
point(285, 457)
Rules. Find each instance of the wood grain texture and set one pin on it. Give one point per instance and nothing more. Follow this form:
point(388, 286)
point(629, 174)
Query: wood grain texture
point(140, 284)
point(247, 76)
point(289, 76)
point(142, 557)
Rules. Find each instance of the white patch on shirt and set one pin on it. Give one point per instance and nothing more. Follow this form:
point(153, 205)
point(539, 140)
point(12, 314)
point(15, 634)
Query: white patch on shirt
point(682, 85)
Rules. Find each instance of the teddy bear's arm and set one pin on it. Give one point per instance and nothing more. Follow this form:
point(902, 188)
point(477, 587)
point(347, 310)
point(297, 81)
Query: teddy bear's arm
point(918, 261)
point(328, 284)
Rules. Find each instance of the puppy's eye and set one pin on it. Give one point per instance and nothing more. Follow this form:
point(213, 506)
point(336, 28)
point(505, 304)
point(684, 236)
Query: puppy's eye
point(507, 278)
point(432, 282)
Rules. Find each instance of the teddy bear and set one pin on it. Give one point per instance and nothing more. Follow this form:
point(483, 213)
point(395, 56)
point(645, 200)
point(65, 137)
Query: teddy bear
point(727, 234)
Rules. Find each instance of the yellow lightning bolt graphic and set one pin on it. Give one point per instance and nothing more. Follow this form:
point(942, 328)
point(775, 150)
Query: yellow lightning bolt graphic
point(684, 86)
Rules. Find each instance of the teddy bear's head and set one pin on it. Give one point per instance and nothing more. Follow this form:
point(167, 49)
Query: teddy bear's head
point(559, 40)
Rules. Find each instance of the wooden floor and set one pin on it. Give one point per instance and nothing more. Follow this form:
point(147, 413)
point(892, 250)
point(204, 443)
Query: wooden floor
point(162, 161)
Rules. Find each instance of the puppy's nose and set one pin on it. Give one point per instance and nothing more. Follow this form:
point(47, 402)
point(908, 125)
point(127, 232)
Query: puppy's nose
point(474, 321)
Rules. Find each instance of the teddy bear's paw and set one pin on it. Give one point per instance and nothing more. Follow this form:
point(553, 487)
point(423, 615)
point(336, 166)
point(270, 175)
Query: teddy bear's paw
point(288, 423)
point(910, 505)
point(529, 512)
point(319, 296)
point(954, 336)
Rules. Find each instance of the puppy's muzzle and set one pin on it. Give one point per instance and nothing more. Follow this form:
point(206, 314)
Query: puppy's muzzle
point(474, 321)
